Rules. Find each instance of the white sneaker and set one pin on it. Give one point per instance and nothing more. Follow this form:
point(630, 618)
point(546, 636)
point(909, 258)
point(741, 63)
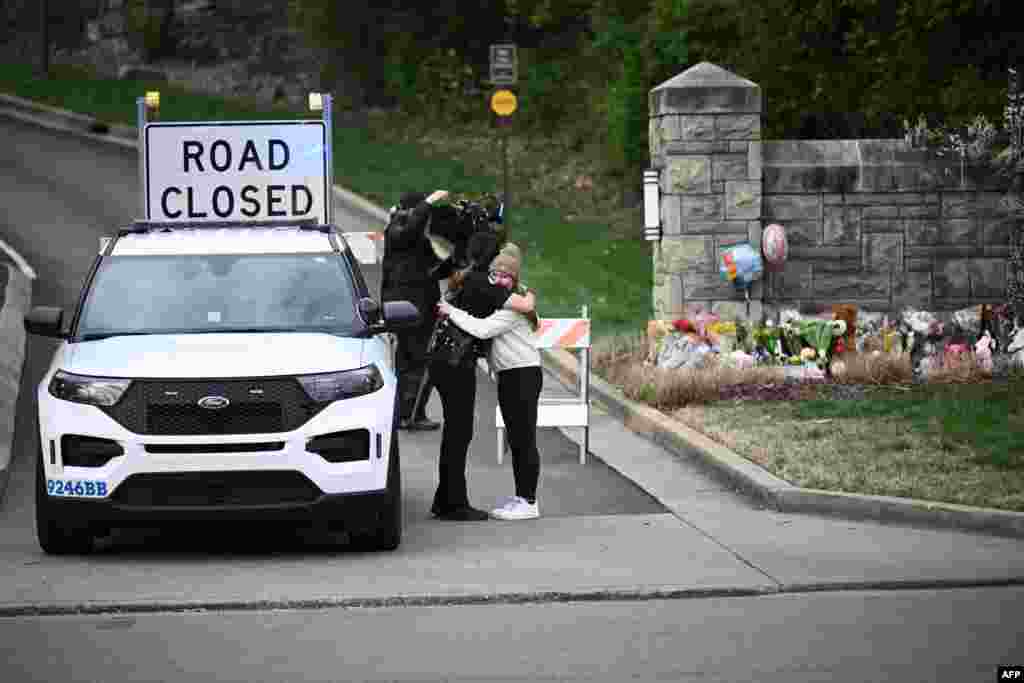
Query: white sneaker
point(516, 508)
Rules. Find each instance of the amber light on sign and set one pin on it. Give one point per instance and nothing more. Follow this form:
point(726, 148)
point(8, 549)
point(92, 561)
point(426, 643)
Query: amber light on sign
point(152, 100)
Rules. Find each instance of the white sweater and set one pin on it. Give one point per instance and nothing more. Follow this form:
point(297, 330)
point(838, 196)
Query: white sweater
point(514, 340)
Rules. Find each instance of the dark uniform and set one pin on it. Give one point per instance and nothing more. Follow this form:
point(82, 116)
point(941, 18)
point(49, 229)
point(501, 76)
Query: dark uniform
point(409, 273)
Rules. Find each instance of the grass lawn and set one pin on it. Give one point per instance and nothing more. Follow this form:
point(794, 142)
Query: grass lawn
point(578, 248)
point(954, 443)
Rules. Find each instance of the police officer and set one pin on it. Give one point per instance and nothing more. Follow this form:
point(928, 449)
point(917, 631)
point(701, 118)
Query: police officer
point(410, 272)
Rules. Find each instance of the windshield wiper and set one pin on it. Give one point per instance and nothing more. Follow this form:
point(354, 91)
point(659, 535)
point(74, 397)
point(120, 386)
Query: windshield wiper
point(107, 335)
point(246, 330)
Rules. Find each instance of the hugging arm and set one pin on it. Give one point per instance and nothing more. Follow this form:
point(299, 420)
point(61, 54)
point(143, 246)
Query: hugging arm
point(484, 328)
point(520, 303)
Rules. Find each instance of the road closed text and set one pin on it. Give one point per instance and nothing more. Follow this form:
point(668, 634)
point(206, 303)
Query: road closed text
point(293, 201)
point(236, 175)
point(275, 201)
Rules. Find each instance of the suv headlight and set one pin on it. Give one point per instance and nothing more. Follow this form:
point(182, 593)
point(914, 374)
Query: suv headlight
point(335, 386)
point(94, 391)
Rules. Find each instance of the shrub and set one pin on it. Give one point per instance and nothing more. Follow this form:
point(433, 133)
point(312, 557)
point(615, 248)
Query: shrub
point(866, 368)
point(962, 370)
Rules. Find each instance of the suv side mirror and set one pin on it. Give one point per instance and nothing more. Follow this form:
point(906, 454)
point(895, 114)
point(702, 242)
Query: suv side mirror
point(45, 321)
point(369, 309)
point(400, 315)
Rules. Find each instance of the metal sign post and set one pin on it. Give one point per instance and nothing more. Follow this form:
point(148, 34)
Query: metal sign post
point(504, 103)
point(140, 113)
point(504, 72)
point(329, 141)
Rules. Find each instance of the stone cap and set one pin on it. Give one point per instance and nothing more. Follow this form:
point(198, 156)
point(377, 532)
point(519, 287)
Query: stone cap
point(706, 74)
point(705, 88)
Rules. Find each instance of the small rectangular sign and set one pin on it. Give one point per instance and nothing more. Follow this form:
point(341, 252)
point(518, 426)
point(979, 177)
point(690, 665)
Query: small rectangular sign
point(504, 64)
point(1010, 673)
point(236, 171)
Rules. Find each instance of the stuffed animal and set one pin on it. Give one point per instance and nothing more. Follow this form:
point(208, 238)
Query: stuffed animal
point(983, 352)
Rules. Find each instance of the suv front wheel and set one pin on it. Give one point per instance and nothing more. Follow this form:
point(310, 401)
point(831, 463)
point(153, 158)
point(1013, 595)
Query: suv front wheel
point(57, 534)
point(386, 533)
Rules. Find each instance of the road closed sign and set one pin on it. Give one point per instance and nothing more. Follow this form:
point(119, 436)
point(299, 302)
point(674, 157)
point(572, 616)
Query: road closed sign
point(236, 171)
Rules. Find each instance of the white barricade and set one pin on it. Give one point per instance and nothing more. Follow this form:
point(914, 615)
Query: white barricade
point(562, 333)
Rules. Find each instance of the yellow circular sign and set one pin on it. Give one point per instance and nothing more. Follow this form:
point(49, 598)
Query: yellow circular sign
point(503, 102)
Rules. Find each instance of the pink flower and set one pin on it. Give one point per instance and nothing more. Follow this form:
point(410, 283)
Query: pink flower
point(983, 352)
point(956, 349)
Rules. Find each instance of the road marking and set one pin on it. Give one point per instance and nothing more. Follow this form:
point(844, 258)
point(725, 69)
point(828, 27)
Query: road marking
point(18, 260)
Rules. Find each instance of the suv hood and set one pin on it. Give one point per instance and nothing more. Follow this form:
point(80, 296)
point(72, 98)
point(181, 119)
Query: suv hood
point(214, 355)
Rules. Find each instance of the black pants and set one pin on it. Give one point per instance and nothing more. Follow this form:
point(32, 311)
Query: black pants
point(518, 394)
point(410, 365)
point(457, 387)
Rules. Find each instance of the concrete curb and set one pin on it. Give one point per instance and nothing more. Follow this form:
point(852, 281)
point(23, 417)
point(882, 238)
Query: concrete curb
point(773, 491)
point(67, 121)
point(615, 595)
point(652, 424)
point(17, 299)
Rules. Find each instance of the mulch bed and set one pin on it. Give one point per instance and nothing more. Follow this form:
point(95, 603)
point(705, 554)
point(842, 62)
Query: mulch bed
point(792, 391)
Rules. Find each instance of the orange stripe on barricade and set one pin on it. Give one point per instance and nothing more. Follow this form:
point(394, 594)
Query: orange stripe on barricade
point(580, 329)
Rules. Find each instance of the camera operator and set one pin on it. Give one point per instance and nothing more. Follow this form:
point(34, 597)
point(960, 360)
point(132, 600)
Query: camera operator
point(410, 271)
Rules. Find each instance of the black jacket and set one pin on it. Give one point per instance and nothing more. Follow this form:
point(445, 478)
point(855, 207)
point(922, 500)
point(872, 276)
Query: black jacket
point(409, 259)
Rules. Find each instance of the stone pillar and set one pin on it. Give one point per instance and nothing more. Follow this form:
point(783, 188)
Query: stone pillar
point(705, 138)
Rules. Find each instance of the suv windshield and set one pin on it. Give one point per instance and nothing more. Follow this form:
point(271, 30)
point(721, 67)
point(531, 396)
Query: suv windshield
point(183, 294)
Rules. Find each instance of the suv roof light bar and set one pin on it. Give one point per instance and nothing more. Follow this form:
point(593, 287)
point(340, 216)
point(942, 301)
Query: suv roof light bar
point(147, 226)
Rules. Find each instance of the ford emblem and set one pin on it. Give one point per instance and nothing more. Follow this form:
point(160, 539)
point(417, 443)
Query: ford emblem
point(213, 402)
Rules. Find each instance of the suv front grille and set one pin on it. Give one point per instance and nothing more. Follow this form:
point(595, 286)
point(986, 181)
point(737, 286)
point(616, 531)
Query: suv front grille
point(242, 418)
point(255, 406)
point(169, 489)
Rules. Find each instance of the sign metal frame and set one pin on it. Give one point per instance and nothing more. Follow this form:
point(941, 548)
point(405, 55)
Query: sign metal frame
point(208, 126)
point(327, 148)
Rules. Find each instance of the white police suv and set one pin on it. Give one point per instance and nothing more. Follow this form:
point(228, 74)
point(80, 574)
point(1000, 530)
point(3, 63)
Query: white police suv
point(220, 371)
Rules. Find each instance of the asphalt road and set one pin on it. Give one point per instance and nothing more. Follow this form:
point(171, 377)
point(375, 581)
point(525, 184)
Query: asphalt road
point(956, 636)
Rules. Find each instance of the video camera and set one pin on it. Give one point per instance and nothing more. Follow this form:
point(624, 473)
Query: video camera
point(453, 224)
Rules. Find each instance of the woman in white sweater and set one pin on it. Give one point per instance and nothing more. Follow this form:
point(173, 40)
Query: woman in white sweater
point(516, 361)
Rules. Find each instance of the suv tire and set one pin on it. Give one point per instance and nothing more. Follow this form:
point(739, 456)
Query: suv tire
point(57, 534)
point(386, 534)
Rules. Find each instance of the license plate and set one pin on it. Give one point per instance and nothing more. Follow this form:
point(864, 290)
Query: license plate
point(76, 488)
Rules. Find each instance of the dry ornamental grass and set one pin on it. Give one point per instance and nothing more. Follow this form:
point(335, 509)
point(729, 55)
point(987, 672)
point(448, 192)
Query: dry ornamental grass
point(958, 438)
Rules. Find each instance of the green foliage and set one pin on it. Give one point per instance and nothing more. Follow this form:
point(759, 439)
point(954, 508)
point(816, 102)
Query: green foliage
point(627, 115)
point(440, 84)
point(539, 93)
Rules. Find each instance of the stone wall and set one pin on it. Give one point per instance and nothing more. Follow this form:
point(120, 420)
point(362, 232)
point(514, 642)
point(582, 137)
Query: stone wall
point(876, 223)
point(869, 222)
